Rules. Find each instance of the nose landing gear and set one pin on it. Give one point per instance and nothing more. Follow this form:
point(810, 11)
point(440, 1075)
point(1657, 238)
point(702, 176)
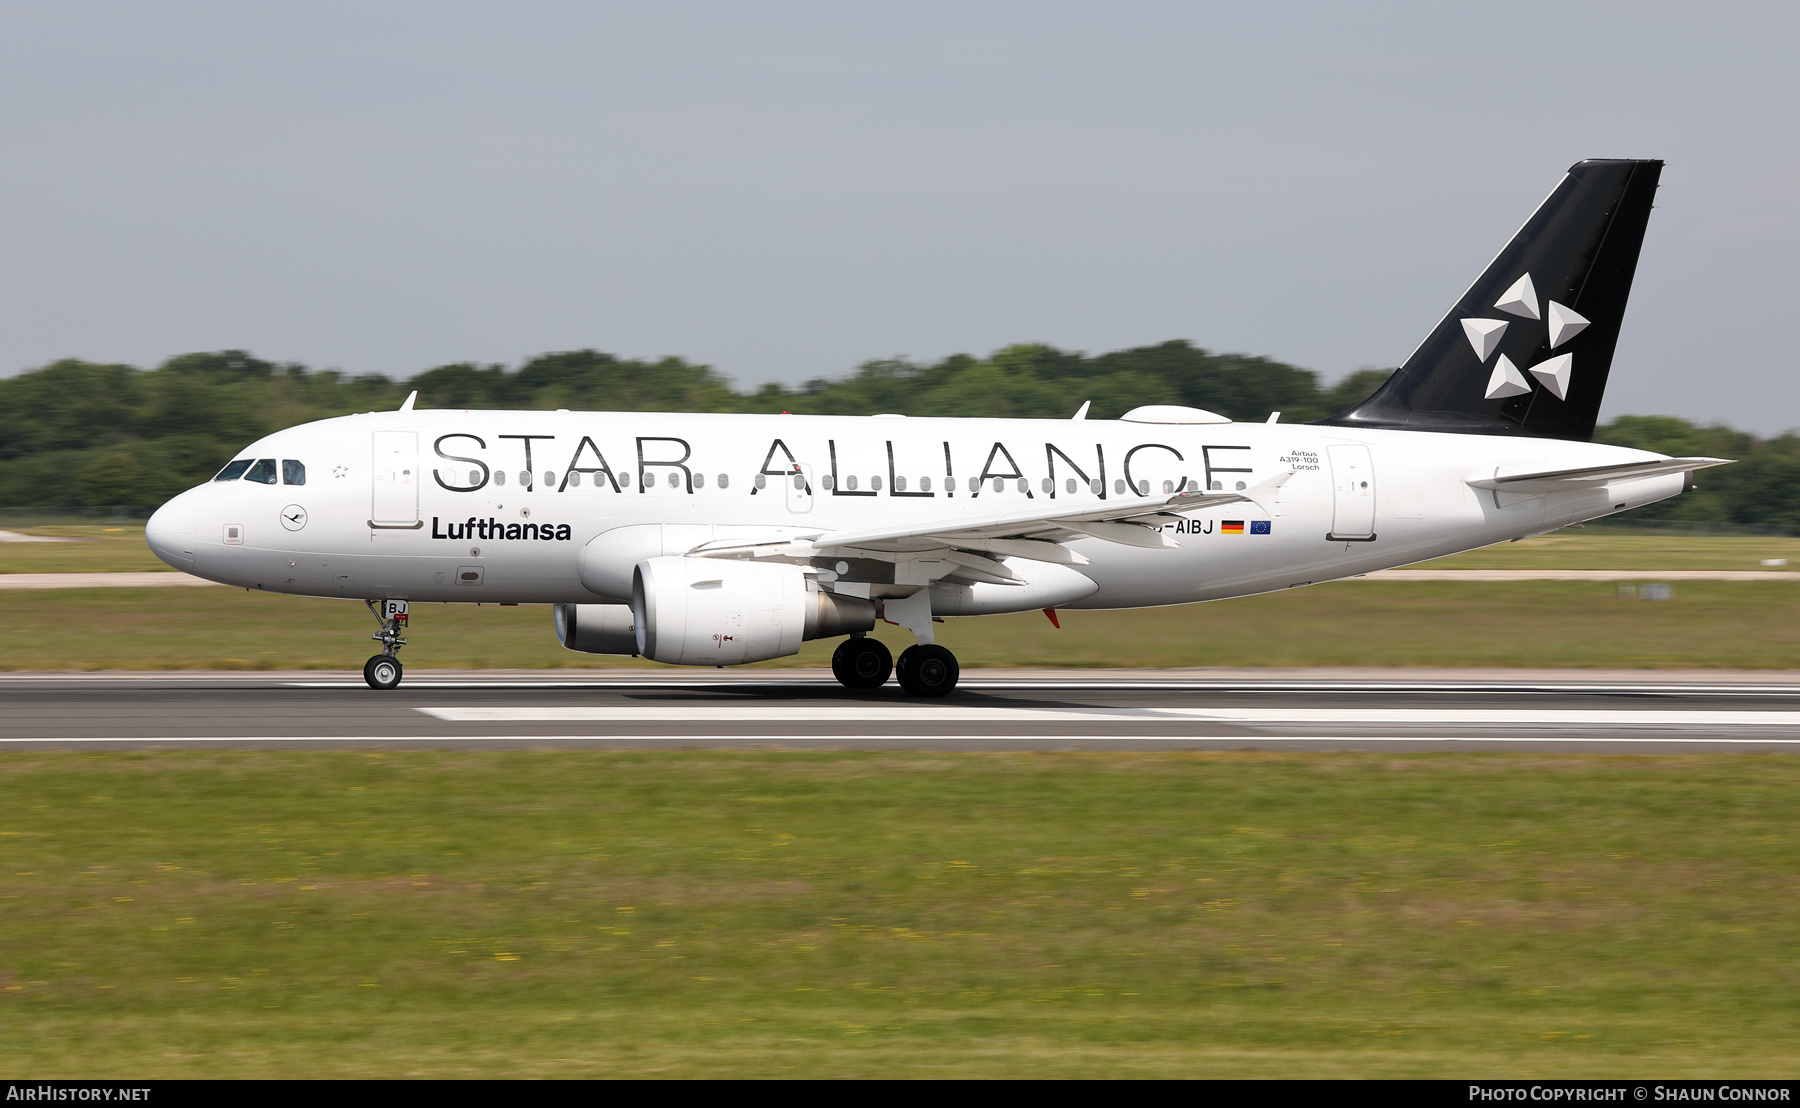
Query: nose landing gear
point(384, 671)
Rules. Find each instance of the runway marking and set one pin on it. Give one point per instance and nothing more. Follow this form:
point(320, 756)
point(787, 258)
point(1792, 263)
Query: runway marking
point(133, 580)
point(737, 738)
point(1249, 685)
point(165, 578)
point(936, 713)
point(1485, 575)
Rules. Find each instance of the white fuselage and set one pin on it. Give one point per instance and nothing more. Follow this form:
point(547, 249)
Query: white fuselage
point(445, 506)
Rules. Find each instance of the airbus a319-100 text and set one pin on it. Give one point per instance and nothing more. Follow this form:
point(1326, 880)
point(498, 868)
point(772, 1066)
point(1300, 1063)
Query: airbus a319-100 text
point(715, 540)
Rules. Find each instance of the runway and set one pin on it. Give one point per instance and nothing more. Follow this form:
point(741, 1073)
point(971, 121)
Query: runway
point(1639, 712)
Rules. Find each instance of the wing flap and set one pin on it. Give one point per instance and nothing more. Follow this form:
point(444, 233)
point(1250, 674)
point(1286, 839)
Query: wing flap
point(1117, 521)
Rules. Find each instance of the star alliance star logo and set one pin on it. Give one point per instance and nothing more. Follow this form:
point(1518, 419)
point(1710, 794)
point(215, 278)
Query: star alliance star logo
point(1552, 373)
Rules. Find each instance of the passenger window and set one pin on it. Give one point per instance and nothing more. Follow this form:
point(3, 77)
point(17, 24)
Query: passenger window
point(574, 478)
point(263, 472)
point(233, 471)
point(899, 484)
point(762, 481)
point(1118, 487)
point(949, 484)
point(924, 484)
point(1071, 484)
point(724, 480)
point(850, 482)
point(699, 480)
point(500, 478)
point(875, 483)
point(999, 484)
point(292, 472)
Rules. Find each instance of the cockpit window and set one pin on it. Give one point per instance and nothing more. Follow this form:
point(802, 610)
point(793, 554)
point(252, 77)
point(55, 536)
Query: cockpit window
point(233, 471)
point(263, 472)
point(292, 472)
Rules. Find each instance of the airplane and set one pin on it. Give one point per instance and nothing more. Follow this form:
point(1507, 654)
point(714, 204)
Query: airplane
point(716, 540)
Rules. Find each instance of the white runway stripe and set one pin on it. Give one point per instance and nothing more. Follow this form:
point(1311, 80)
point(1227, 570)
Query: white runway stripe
point(1484, 687)
point(846, 737)
point(933, 713)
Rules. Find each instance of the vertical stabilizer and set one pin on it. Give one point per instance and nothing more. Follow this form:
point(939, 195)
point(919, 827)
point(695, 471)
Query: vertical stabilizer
point(1527, 349)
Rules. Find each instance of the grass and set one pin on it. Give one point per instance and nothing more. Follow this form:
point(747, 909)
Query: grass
point(119, 547)
point(1740, 625)
point(98, 548)
point(1540, 624)
point(823, 914)
point(1593, 549)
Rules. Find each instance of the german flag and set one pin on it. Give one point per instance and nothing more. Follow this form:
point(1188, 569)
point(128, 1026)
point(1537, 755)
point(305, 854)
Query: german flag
point(1231, 527)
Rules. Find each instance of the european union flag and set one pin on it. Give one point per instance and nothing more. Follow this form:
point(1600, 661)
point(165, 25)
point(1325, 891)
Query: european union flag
point(1259, 527)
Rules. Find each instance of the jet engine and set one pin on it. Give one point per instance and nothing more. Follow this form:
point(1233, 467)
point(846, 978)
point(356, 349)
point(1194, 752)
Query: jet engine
point(712, 612)
point(596, 628)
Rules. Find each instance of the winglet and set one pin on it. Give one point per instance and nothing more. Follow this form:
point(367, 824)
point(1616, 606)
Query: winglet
point(406, 405)
point(1081, 412)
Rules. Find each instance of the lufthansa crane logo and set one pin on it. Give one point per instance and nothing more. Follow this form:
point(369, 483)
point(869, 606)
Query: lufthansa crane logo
point(293, 517)
point(1521, 300)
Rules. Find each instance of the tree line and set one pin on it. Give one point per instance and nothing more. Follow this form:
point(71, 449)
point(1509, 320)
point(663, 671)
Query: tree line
point(78, 434)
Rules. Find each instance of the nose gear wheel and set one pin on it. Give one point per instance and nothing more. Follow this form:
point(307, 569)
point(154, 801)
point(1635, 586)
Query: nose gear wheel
point(383, 671)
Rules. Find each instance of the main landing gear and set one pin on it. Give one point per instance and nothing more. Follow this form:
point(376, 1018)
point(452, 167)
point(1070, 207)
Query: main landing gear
point(925, 669)
point(861, 663)
point(384, 671)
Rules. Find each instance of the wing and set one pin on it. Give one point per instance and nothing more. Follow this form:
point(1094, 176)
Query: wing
point(1564, 480)
point(970, 547)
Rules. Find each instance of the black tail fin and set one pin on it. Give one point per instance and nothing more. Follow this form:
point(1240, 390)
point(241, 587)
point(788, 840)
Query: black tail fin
point(1527, 349)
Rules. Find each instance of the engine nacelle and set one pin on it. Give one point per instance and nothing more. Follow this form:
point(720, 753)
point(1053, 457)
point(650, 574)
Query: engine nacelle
point(606, 564)
point(723, 612)
point(596, 628)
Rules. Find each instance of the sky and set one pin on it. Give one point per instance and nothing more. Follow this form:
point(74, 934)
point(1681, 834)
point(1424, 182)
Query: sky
point(786, 190)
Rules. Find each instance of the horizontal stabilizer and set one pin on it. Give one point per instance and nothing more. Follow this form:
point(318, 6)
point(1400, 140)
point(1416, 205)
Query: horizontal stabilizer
point(1562, 480)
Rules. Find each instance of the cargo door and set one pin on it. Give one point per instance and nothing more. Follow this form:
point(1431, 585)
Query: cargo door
point(396, 474)
point(1353, 494)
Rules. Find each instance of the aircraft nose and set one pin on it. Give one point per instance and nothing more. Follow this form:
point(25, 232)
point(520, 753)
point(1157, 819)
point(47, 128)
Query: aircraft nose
point(170, 532)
